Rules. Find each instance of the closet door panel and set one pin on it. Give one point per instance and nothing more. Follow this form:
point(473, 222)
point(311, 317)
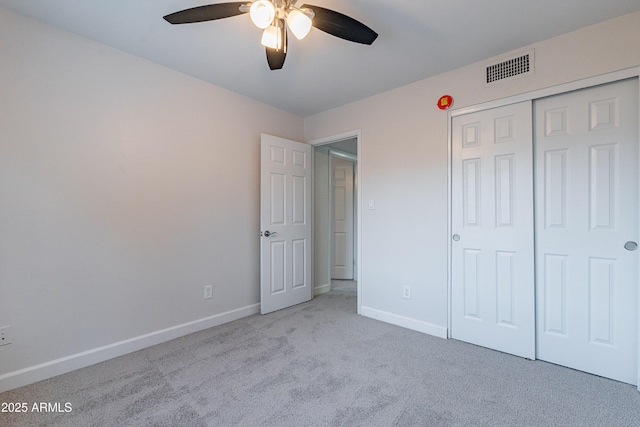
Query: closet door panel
point(492, 223)
point(586, 210)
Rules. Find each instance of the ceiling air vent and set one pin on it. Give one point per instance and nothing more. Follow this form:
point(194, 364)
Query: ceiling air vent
point(518, 66)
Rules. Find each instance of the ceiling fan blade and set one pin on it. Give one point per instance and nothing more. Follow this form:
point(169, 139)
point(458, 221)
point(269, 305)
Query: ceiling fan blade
point(339, 25)
point(205, 13)
point(276, 57)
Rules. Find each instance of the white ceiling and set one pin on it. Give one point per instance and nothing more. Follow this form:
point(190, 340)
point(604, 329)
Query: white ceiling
point(417, 39)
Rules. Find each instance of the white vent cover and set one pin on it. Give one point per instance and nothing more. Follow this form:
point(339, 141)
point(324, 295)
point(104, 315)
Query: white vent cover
point(518, 66)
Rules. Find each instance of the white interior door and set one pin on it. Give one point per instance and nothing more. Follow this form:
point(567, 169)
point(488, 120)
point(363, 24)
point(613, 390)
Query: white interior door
point(492, 282)
point(342, 256)
point(285, 223)
point(586, 211)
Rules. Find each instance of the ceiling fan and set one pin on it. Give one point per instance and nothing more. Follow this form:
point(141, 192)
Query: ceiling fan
point(274, 17)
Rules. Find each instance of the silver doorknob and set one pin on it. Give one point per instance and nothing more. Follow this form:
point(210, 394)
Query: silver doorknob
point(456, 237)
point(631, 246)
point(270, 233)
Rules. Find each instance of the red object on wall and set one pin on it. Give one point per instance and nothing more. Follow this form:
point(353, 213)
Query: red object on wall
point(445, 102)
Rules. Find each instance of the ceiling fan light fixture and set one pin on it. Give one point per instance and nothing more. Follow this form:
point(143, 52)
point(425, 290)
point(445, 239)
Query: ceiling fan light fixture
point(275, 18)
point(272, 37)
point(299, 23)
point(262, 13)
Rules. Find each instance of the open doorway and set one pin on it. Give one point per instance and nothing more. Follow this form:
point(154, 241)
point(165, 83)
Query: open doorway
point(335, 213)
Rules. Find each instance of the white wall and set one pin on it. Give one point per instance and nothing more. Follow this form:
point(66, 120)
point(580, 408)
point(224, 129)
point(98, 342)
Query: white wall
point(125, 188)
point(403, 165)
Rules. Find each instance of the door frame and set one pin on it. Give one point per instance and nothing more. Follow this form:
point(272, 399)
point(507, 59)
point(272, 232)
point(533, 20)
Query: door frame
point(527, 96)
point(329, 140)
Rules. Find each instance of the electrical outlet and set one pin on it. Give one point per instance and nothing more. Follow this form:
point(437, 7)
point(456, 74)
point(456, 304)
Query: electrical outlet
point(208, 291)
point(5, 335)
point(406, 292)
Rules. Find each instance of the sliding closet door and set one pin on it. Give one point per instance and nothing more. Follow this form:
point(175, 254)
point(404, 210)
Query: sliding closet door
point(586, 229)
point(492, 223)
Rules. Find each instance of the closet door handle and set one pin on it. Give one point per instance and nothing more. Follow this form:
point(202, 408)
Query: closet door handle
point(631, 246)
point(456, 237)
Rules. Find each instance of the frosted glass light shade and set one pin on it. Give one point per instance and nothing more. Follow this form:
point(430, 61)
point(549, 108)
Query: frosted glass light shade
point(272, 37)
point(299, 23)
point(262, 13)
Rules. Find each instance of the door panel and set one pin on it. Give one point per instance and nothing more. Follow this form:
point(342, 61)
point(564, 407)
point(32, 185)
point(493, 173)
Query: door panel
point(492, 218)
point(586, 210)
point(285, 209)
point(343, 219)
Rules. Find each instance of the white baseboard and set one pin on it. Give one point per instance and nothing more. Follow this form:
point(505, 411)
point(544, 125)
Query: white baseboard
point(322, 289)
point(70, 363)
point(405, 322)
